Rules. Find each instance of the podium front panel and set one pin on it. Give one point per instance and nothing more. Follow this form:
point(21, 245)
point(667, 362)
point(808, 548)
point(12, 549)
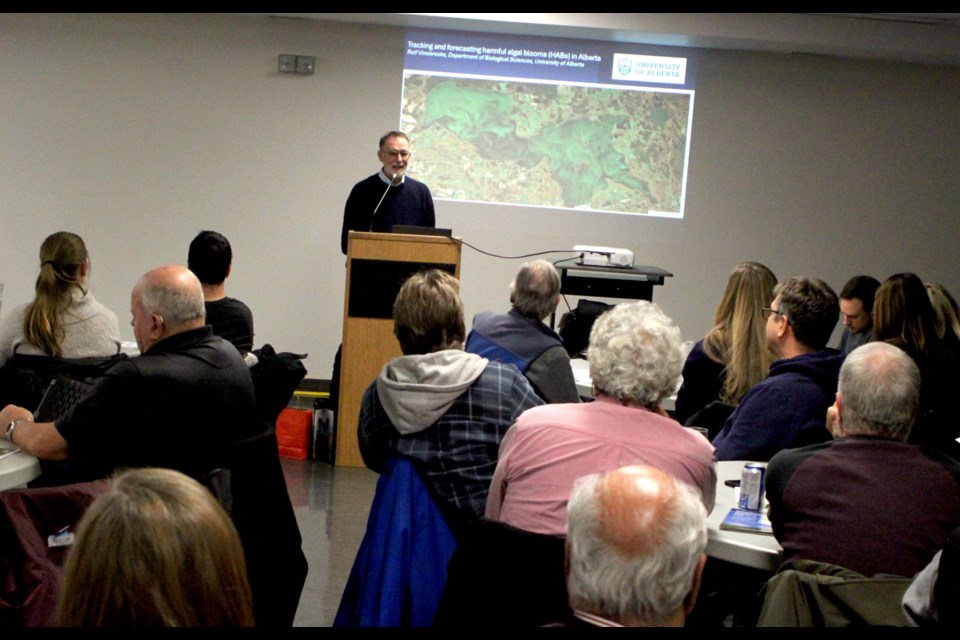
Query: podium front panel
point(374, 284)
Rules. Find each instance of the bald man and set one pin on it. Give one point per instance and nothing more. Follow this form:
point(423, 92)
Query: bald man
point(186, 403)
point(635, 549)
point(179, 404)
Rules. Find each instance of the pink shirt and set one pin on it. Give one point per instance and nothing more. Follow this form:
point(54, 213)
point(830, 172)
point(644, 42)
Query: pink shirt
point(552, 445)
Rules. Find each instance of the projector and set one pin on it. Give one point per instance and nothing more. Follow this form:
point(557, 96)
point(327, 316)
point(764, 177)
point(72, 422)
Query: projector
point(604, 256)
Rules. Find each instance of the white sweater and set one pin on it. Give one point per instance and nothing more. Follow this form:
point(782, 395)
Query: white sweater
point(90, 329)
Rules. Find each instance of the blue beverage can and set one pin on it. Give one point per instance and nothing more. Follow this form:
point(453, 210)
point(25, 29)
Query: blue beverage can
point(751, 486)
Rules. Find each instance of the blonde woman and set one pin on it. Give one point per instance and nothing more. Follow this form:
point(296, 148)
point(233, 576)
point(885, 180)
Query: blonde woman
point(733, 356)
point(156, 550)
point(64, 319)
point(946, 309)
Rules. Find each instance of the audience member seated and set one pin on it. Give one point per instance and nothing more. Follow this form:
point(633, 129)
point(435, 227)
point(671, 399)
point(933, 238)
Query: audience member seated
point(635, 549)
point(64, 319)
point(888, 506)
point(946, 309)
point(635, 360)
point(211, 258)
point(856, 307)
point(786, 410)
point(438, 404)
point(187, 403)
point(519, 337)
point(733, 356)
point(156, 550)
point(904, 317)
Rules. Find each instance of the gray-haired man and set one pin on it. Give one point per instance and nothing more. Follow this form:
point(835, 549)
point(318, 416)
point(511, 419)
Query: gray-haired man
point(867, 500)
point(519, 337)
point(635, 548)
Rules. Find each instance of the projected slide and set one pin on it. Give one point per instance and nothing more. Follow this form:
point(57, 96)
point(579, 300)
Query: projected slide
point(501, 120)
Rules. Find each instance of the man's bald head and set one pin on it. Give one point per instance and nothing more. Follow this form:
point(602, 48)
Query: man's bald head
point(635, 542)
point(166, 301)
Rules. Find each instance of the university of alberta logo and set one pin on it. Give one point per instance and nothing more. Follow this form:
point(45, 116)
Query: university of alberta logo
point(624, 65)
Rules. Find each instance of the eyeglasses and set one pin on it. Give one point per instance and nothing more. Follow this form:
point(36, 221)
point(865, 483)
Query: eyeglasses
point(768, 311)
point(397, 154)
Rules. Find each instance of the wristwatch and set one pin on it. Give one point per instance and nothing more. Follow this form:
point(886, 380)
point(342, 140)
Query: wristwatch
point(13, 425)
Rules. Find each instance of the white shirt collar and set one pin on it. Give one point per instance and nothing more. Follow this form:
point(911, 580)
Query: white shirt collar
point(386, 179)
point(594, 619)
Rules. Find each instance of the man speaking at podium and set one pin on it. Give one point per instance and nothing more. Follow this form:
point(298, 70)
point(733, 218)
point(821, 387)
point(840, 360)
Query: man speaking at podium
point(389, 197)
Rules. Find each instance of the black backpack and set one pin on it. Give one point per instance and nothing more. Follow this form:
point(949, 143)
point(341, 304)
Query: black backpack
point(575, 326)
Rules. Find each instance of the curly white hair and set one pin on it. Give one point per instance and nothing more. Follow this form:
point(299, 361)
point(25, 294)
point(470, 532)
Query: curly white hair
point(635, 354)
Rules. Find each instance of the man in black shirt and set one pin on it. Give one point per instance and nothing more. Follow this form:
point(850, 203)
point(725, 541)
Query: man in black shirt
point(387, 198)
point(210, 259)
point(187, 402)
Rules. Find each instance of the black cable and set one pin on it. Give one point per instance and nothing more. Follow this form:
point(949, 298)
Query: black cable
point(526, 255)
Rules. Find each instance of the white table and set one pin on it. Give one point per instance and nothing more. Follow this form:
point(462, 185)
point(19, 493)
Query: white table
point(581, 375)
point(129, 348)
point(17, 469)
point(756, 550)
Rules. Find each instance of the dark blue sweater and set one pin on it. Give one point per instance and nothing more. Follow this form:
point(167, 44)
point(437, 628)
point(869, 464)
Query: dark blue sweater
point(787, 410)
point(409, 202)
point(702, 383)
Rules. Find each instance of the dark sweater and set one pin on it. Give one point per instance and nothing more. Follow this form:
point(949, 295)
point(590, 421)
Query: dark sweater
point(872, 505)
point(409, 202)
point(788, 409)
point(702, 383)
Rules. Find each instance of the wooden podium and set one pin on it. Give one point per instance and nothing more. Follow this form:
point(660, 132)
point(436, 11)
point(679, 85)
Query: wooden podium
point(377, 266)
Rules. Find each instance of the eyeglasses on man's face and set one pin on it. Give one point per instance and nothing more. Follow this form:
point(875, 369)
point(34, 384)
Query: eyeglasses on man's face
point(768, 311)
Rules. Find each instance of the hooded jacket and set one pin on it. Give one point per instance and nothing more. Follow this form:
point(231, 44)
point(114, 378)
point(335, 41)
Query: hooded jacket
point(449, 410)
point(416, 390)
point(787, 410)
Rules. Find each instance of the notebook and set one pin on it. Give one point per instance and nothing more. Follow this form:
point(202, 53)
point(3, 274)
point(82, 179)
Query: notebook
point(747, 521)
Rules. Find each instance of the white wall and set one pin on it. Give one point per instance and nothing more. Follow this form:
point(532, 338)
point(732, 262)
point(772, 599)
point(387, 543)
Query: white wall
point(138, 131)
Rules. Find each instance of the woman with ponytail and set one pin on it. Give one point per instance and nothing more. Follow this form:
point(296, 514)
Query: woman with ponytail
point(64, 319)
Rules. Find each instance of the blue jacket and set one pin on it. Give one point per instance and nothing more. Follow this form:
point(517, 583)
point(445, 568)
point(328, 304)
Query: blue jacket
point(787, 410)
point(510, 338)
point(401, 567)
point(529, 345)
